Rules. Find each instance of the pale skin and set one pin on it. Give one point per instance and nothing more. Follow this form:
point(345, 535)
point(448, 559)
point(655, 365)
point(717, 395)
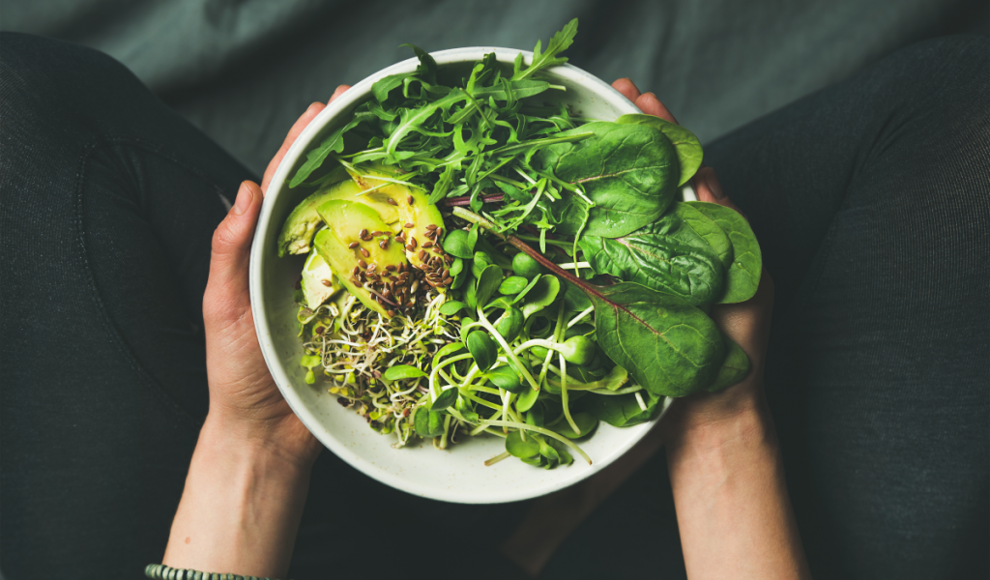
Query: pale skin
point(249, 474)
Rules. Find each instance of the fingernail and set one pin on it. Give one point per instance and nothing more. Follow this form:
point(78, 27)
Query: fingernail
point(244, 198)
point(713, 184)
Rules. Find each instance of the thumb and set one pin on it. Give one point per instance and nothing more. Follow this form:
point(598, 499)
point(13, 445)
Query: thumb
point(227, 295)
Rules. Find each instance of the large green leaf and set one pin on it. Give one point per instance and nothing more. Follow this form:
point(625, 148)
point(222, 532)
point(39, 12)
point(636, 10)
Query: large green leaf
point(707, 229)
point(628, 171)
point(666, 255)
point(743, 276)
point(669, 347)
point(689, 152)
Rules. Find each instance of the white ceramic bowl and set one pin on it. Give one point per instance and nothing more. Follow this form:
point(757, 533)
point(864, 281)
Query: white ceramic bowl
point(457, 474)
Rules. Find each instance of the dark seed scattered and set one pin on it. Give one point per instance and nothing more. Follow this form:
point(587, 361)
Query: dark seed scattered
point(431, 227)
point(383, 244)
point(427, 244)
point(363, 233)
point(422, 255)
point(410, 247)
point(410, 225)
point(390, 312)
point(362, 263)
point(325, 283)
point(365, 252)
point(446, 273)
point(448, 281)
point(410, 200)
point(391, 201)
point(353, 245)
point(390, 268)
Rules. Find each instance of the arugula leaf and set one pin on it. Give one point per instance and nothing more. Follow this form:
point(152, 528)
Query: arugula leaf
point(559, 43)
point(332, 144)
point(743, 277)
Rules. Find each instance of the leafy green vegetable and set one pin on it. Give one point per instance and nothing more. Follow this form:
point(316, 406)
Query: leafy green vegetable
point(482, 348)
point(542, 295)
point(510, 324)
point(734, 368)
point(428, 423)
point(586, 422)
point(456, 244)
point(525, 266)
point(707, 229)
point(513, 285)
point(669, 347)
point(505, 377)
point(447, 398)
point(743, 277)
point(657, 257)
point(559, 43)
point(689, 152)
point(622, 410)
point(627, 171)
point(399, 372)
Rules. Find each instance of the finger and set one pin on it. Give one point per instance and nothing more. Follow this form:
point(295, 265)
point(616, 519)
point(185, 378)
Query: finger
point(709, 188)
point(651, 105)
point(294, 132)
point(627, 88)
point(226, 298)
point(338, 91)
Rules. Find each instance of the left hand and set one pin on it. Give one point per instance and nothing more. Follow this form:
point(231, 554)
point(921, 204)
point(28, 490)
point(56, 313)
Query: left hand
point(244, 401)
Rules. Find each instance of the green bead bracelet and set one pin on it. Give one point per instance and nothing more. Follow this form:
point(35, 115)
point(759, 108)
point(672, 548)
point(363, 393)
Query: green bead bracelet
point(163, 572)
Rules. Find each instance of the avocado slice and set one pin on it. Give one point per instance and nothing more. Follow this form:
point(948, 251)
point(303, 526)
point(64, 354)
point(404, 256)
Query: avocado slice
point(318, 282)
point(364, 264)
point(419, 227)
point(298, 230)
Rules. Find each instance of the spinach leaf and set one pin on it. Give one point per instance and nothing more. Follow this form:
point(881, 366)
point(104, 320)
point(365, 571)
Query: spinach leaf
point(707, 229)
point(734, 368)
point(743, 277)
point(666, 255)
point(488, 283)
point(622, 410)
point(627, 171)
point(668, 346)
point(689, 152)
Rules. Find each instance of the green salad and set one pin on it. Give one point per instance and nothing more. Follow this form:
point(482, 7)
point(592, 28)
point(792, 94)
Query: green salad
point(481, 261)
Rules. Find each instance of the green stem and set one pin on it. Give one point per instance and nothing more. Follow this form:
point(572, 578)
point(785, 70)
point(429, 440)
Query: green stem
point(507, 349)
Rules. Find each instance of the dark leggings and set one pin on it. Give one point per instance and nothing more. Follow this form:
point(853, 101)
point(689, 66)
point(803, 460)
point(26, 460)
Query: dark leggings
point(871, 201)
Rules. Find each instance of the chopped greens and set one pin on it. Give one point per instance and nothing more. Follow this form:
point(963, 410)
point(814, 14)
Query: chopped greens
point(482, 261)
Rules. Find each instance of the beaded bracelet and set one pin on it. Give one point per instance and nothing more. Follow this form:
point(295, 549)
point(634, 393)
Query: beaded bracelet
point(163, 572)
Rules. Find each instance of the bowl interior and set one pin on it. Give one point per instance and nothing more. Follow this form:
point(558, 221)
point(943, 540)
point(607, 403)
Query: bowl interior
point(457, 474)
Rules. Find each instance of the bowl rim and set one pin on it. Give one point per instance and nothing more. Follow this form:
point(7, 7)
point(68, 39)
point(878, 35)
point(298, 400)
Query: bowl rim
point(350, 98)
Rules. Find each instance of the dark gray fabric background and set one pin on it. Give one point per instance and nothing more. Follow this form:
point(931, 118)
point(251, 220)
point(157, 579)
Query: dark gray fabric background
point(243, 70)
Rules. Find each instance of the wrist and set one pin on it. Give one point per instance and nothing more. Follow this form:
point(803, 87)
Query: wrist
point(282, 440)
point(713, 419)
point(241, 505)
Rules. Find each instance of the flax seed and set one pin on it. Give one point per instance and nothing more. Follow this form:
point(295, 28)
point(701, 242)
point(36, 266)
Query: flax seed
point(365, 253)
point(390, 268)
point(427, 244)
point(353, 245)
point(412, 242)
point(383, 245)
point(363, 233)
point(447, 281)
point(362, 263)
point(410, 225)
point(391, 201)
point(325, 282)
point(431, 227)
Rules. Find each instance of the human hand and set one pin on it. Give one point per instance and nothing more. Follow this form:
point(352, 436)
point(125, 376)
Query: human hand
point(245, 403)
point(747, 323)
